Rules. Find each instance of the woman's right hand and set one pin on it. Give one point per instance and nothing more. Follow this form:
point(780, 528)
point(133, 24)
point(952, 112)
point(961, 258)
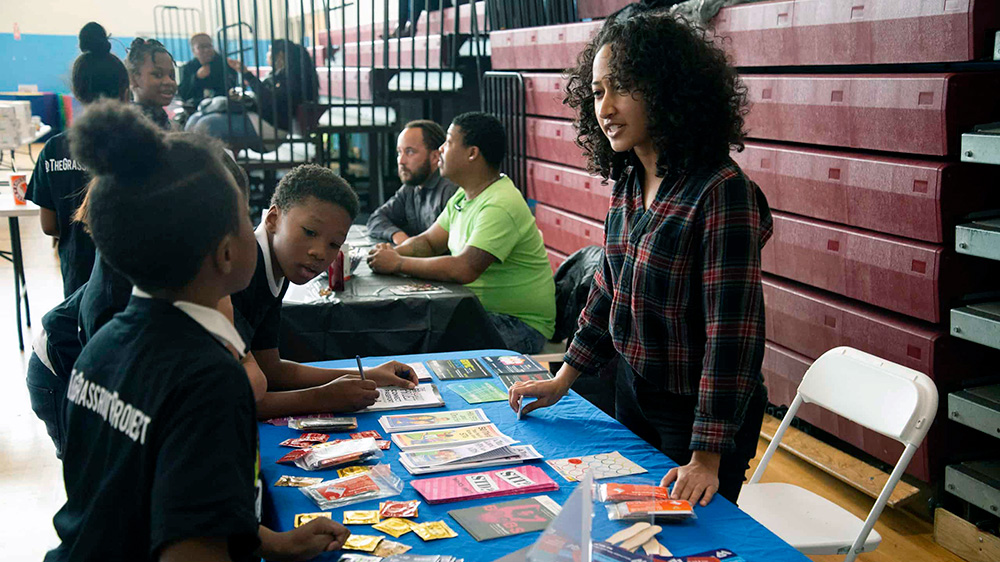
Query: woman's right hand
point(236, 65)
point(546, 393)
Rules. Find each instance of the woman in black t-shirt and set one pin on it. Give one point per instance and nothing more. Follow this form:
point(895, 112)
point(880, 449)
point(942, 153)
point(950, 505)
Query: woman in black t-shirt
point(58, 181)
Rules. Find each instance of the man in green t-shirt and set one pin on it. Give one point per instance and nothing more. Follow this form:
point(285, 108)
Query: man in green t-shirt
point(496, 249)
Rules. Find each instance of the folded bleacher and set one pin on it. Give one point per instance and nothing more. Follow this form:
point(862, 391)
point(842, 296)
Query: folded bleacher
point(854, 133)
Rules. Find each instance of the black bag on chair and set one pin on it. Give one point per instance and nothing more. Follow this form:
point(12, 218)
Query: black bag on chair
point(573, 280)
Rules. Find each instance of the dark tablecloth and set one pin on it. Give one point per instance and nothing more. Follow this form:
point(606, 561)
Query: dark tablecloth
point(368, 319)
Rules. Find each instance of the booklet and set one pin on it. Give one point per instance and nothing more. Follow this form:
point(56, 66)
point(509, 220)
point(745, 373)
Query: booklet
point(510, 380)
point(393, 398)
point(418, 289)
point(451, 369)
point(462, 453)
point(504, 482)
point(516, 517)
point(421, 371)
point(477, 392)
point(513, 364)
point(519, 454)
point(438, 438)
point(432, 420)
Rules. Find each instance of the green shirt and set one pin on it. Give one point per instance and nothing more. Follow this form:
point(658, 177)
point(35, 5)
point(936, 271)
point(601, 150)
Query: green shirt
point(498, 221)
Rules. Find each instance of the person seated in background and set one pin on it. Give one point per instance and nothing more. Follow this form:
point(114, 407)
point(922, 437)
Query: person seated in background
point(153, 79)
point(205, 75)
point(496, 248)
point(293, 81)
point(417, 204)
point(58, 182)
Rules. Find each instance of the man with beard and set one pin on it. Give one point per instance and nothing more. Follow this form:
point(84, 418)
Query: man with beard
point(417, 204)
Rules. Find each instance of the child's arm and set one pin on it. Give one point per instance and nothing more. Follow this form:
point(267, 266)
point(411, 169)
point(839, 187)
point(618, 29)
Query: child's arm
point(288, 375)
point(302, 543)
point(342, 395)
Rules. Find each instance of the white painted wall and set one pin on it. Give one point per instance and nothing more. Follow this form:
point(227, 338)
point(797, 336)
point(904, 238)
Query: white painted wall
point(65, 17)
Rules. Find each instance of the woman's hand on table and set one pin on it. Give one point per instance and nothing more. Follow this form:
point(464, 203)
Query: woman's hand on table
point(348, 394)
point(383, 258)
point(697, 481)
point(309, 541)
point(546, 393)
point(392, 373)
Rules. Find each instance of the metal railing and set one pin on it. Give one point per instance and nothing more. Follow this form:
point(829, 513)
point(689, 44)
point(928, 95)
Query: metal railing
point(503, 96)
point(173, 26)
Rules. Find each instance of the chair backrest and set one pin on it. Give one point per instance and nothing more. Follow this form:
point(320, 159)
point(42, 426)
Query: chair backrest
point(890, 399)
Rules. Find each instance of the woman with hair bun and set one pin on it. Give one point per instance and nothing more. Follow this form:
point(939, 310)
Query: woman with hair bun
point(679, 296)
point(153, 78)
point(58, 182)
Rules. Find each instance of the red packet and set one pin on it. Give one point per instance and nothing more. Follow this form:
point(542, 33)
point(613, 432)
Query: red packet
point(384, 445)
point(614, 492)
point(314, 437)
point(370, 433)
point(296, 443)
point(291, 456)
point(398, 509)
point(362, 484)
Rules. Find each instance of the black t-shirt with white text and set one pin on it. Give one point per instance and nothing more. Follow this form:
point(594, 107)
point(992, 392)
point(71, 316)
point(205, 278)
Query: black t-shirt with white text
point(58, 184)
point(160, 441)
point(257, 311)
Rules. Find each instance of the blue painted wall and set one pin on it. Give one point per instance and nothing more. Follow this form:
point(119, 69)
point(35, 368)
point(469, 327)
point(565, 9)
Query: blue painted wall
point(47, 60)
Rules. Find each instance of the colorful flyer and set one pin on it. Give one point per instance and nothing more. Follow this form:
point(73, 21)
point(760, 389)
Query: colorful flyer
point(478, 392)
point(603, 465)
point(438, 438)
point(509, 518)
point(495, 483)
point(392, 398)
point(451, 369)
point(432, 420)
point(510, 380)
point(513, 364)
point(437, 457)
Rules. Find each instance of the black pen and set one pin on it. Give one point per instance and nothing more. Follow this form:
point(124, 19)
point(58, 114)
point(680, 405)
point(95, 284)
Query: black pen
point(361, 370)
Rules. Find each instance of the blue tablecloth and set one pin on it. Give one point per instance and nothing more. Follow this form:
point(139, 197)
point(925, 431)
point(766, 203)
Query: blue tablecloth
point(571, 428)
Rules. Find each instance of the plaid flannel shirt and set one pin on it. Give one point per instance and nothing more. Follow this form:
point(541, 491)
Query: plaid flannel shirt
point(679, 295)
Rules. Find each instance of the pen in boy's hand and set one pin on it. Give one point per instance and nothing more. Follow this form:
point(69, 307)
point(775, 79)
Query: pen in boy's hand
point(361, 370)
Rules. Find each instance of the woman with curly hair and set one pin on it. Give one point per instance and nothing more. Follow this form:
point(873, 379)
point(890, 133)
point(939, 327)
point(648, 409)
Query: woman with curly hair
point(679, 296)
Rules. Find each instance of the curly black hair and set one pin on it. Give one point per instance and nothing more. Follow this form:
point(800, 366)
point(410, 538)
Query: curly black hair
point(310, 180)
point(695, 101)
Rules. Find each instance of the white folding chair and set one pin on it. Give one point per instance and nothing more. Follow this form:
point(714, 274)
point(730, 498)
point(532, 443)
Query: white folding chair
point(890, 399)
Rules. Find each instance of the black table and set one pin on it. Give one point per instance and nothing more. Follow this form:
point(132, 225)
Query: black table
point(368, 319)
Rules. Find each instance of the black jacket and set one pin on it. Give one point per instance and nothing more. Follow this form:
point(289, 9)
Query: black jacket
point(413, 209)
point(192, 88)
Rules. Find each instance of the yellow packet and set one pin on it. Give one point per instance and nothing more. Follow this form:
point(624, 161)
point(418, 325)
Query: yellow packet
point(303, 518)
point(394, 526)
point(352, 470)
point(297, 481)
point(389, 548)
point(433, 530)
point(364, 543)
point(361, 517)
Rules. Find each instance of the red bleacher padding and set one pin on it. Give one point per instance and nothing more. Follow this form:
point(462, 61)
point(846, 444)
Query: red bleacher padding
point(318, 54)
point(592, 9)
point(556, 258)
point(822, 32)
point(409, 52)
point(352, 32)
point(554, 141)
point(913, 113)
point(569, 189)
point(912, 278)
point(783, 370)
point(332, 82)
point(910, 198)
point(549, 47)
point(543, 95)
point(567, 232)
point(464, 20)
